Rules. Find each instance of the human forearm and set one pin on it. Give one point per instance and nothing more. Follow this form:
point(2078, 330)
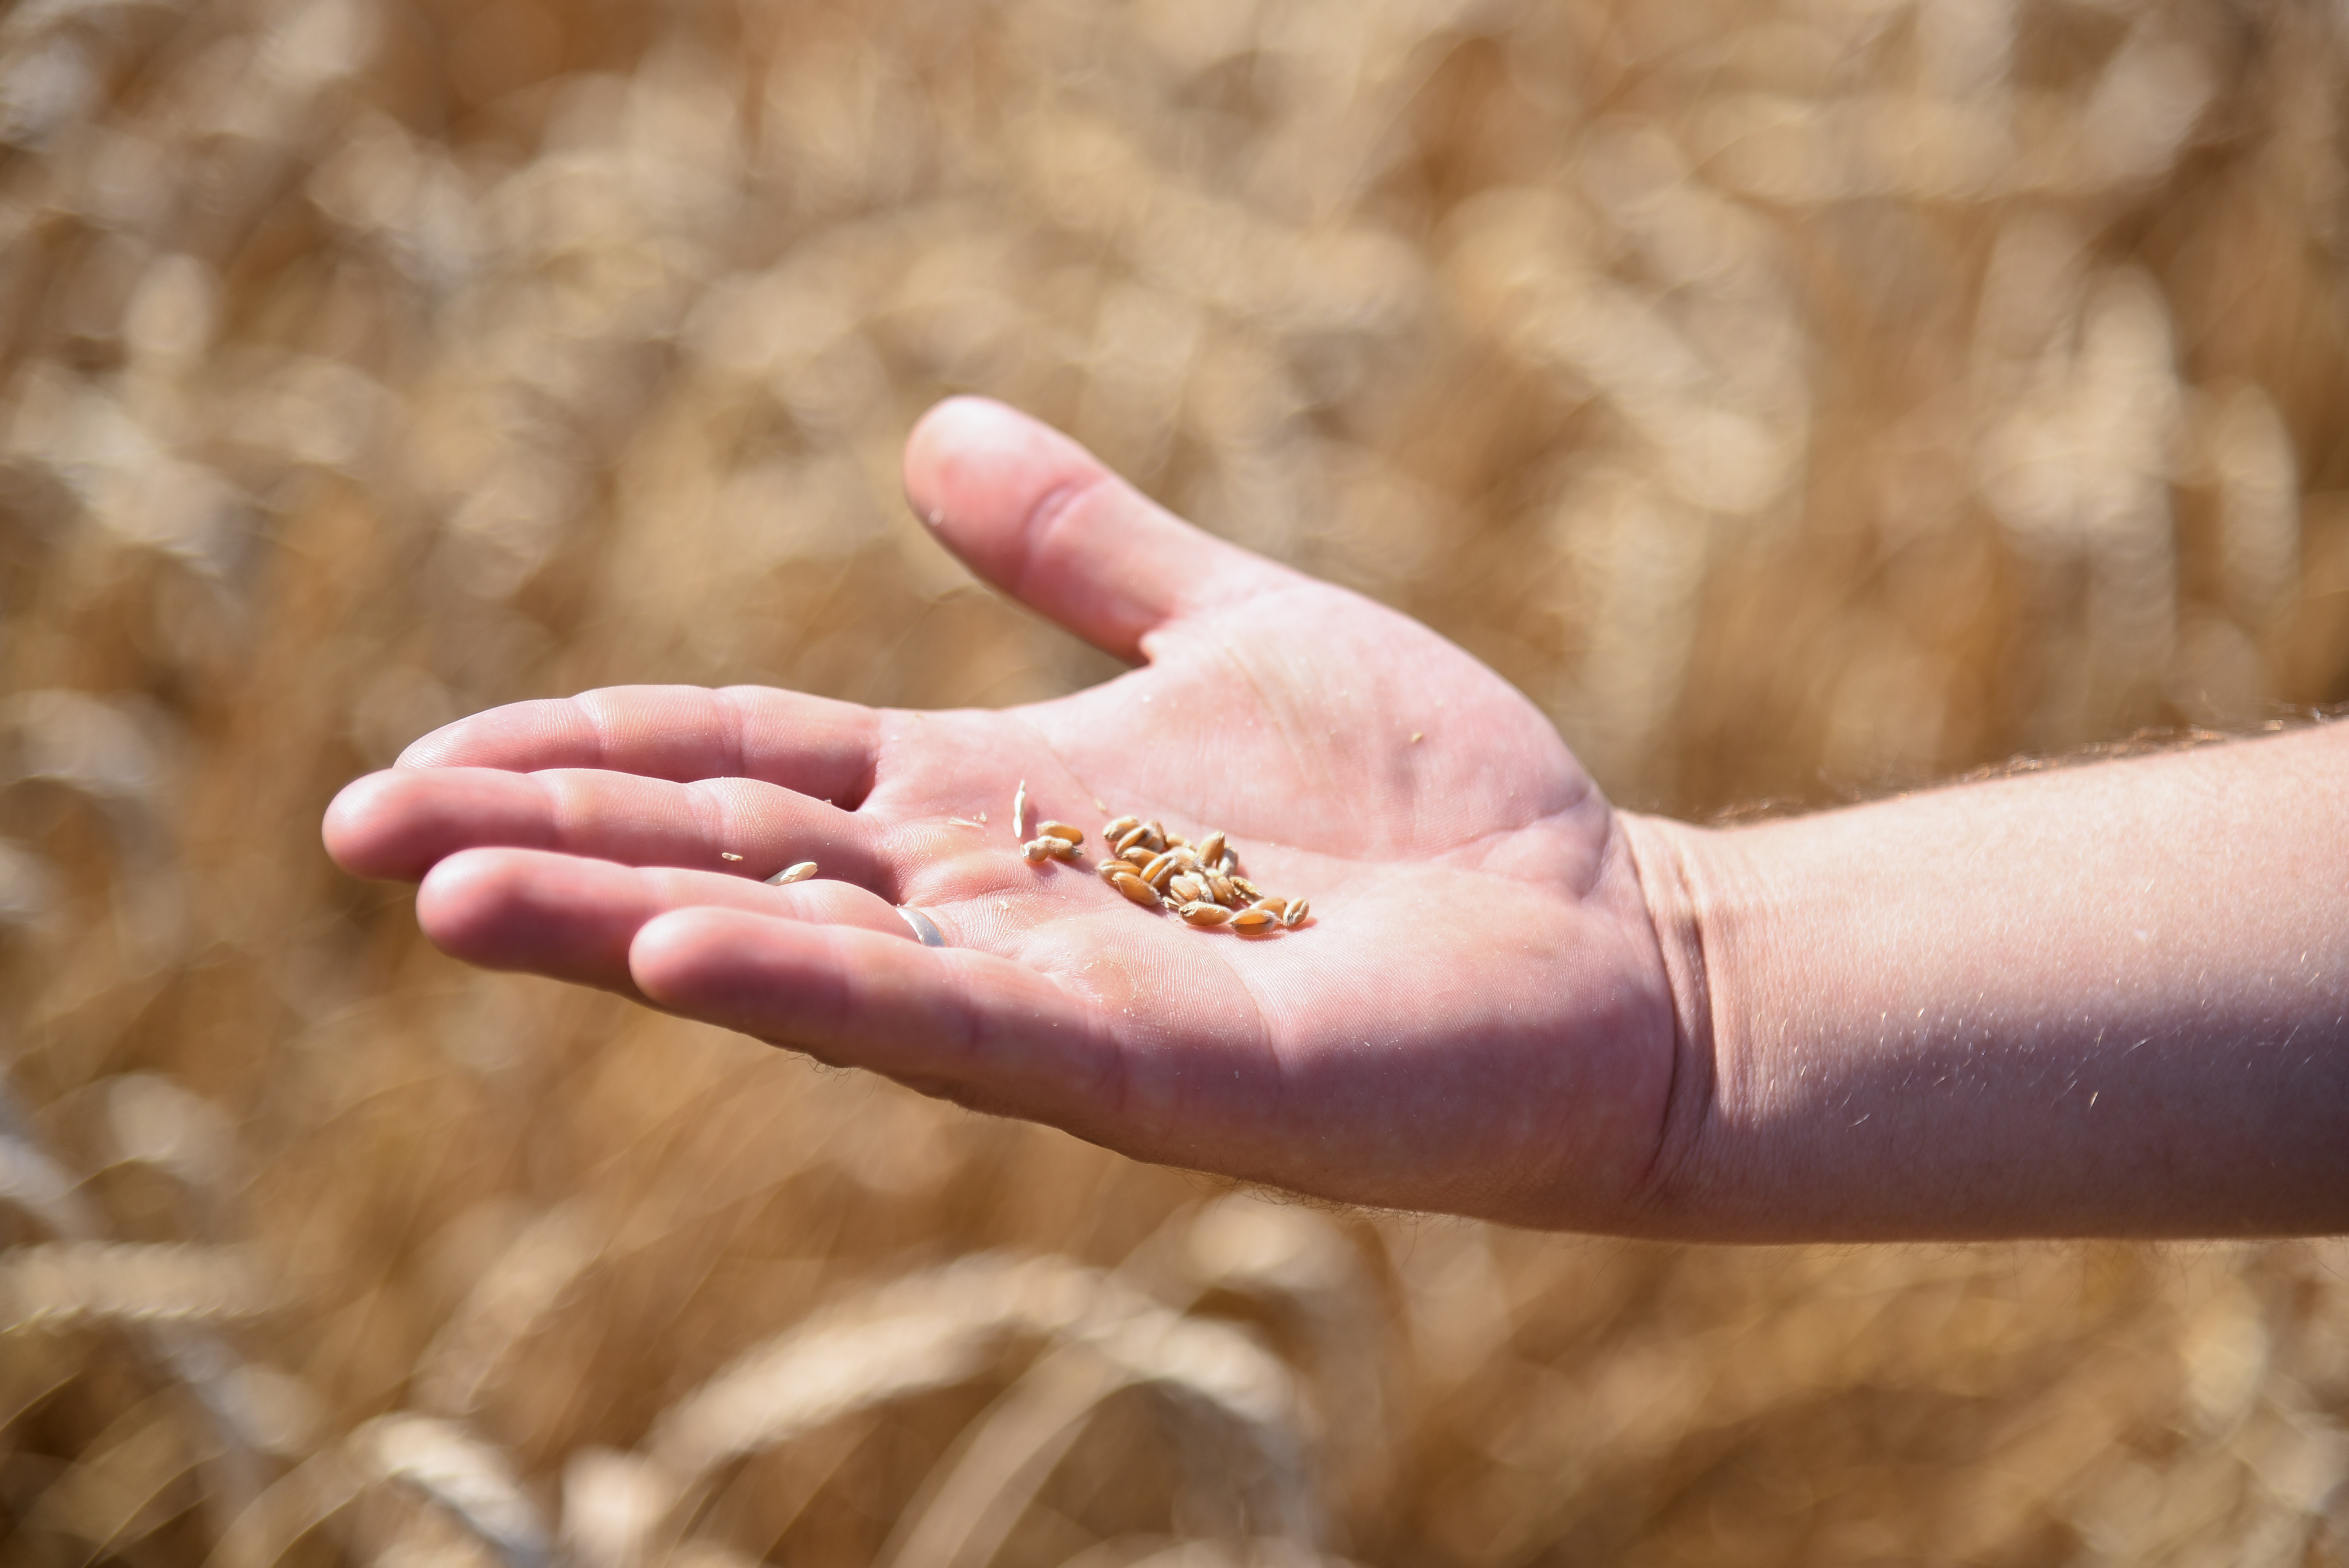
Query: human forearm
point(2102, 1000)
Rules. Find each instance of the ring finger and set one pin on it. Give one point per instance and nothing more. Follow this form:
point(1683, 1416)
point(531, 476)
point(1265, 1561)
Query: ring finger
point(572, 918)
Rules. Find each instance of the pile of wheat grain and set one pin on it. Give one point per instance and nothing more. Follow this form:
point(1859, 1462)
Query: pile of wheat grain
point(1795, 396)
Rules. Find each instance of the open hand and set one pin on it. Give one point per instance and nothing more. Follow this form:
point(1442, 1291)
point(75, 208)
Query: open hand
point(1477, 1018)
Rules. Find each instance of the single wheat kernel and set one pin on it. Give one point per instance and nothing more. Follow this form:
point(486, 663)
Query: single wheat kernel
point(1110, 871)
point(1275, 906)
point(1036, 851)
point(1211, 848)
point(1221, 886)
point(1060, 830)
point(1134, 837)
point(1184, 888)
point(1160, 868)
point(1255, 922)
point(1297, 913)
point(1205, 914)
point(789, 874)
point(1118, 829)
point(1137, 890)
point(1020, 811)
point(728, 855)
point(1244, 885)
point(1228, 863)
point(1136, 857)
point(1157, 833)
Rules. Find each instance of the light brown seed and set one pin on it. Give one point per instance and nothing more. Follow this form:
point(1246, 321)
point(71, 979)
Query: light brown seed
point(1205, 914)
point(1184, 888)
point(1274, 905)
point(1255, 922)
point(1244, 885)
point(1228, 863)
point(798, 874)
point(1157, 832)
point(1160, 868)
point(1037, 851)
point(1211, 848)
point(1298, 912)
point(1118, 829)
point(1111, 870)
point(1134, 838)
point(1221, 886)
point(1061, 849)
point(1060, 830)
point(1020, 811)
point(1137, 890)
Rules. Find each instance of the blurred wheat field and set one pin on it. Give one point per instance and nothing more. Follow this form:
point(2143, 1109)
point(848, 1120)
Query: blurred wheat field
point(1798, 398)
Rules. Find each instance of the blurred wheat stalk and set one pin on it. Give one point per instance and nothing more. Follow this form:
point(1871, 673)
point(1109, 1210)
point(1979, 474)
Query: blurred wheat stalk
point(1796, 398)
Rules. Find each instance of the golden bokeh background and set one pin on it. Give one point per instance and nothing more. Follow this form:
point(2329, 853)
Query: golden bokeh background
point(1798, 398)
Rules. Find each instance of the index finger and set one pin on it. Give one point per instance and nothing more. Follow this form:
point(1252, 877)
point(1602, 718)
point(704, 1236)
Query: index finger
point(811, 745)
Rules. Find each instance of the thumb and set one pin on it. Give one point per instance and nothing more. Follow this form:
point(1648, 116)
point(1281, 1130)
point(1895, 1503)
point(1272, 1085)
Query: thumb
point(1037, 515)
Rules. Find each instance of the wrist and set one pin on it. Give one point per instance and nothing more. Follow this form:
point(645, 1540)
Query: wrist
point(1673, 862)
point(2099, 1001)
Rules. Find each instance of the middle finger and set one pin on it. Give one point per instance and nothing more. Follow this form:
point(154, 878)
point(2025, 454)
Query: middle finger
point(403, 822)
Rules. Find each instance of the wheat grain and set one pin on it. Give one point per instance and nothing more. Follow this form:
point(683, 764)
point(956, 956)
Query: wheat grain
point(1197, 879)
point(473, 1480)
point(58, 1283)
point(789, 874)
point(1019, 810)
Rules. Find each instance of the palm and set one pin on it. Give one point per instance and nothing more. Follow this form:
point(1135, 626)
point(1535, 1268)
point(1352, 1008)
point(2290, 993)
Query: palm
point(1475, 1018)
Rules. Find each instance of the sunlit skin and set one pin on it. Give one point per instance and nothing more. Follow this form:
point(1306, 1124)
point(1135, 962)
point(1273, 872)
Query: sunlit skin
point(1512, 1001)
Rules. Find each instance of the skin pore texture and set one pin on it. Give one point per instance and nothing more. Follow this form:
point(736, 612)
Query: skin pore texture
point(2107, 1000)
